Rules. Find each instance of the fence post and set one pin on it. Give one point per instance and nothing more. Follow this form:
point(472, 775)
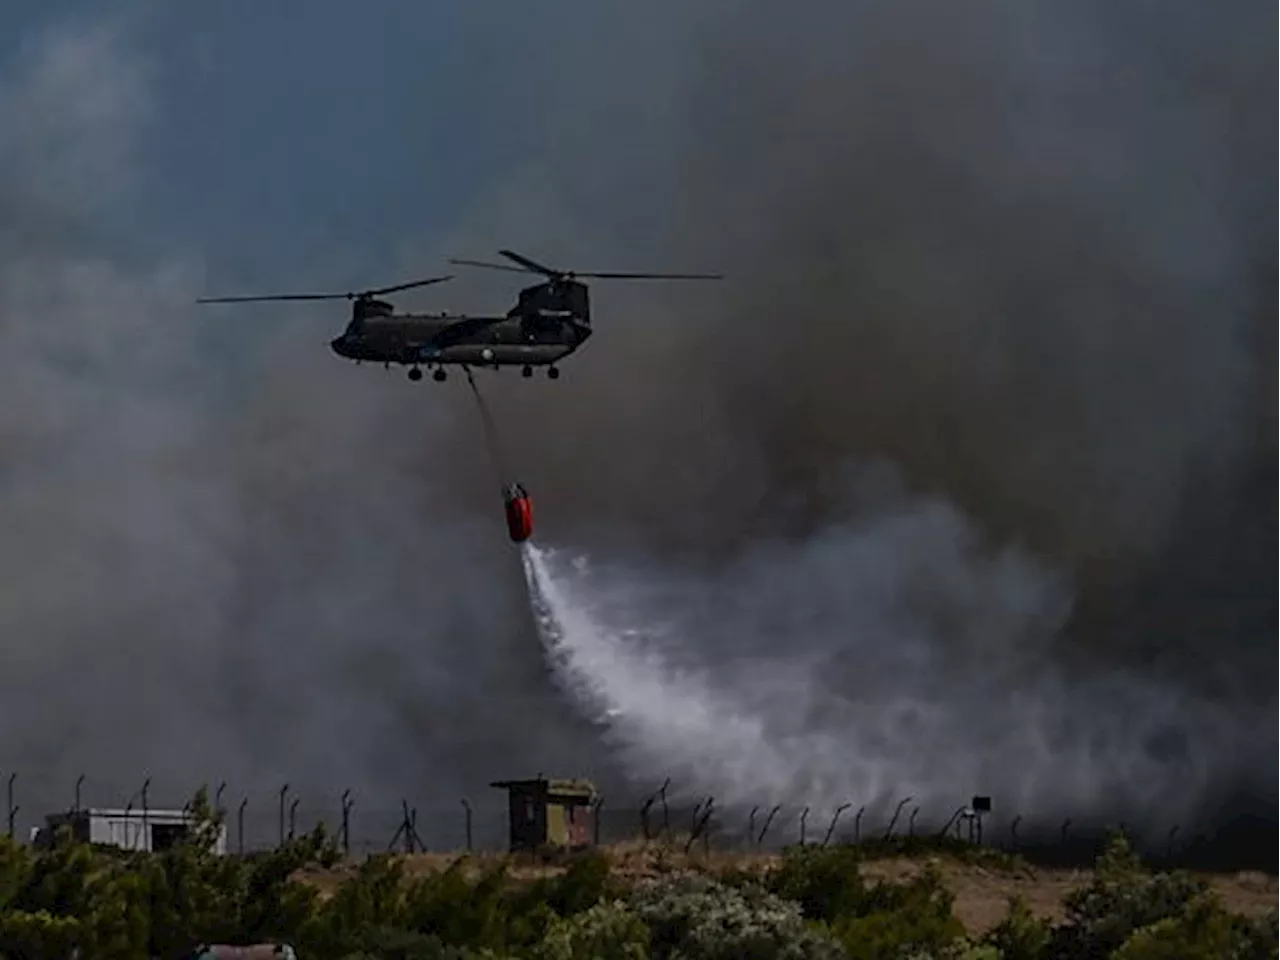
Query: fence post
point(767, 820)
point(1013, 830)
point(347, 804)
point(595, 822)
point(804, 816)
point(644, 817)
point(857, 824)
point(894, 821)
point(217, 798)
point(911, 822)
point(467, 814)
point(832, 827)
point(283, 791)
point(293, 809)
point(12, 813)
point(244, 802)
point(751, 826)
point(666, 812)
point(79, 782)
point(146, 833)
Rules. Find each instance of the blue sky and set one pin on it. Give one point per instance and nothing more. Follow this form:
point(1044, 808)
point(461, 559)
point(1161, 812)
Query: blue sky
point(312, 140)
point(271, 142)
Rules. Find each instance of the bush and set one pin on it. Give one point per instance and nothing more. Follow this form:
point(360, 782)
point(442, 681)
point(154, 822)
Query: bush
point(1120, 899)
point(696, 918)
point(606, 931)
point(1020, 935)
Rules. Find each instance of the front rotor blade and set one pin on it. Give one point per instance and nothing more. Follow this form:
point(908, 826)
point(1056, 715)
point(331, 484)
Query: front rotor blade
point(650, 276)
point(533, 265)
point(406, 286)
point(277, 296)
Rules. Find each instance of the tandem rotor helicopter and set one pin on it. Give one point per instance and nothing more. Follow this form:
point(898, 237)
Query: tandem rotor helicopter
point(549, 321)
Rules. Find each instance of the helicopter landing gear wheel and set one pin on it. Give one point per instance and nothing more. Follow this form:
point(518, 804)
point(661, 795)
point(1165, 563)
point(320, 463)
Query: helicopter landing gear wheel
point(526, 371)
point(553, 373)
point(439, 375)
point(415, 374)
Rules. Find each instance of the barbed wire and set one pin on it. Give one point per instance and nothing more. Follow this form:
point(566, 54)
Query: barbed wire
point(264, 821)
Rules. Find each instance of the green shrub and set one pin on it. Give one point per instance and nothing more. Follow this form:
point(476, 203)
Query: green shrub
point(824, 881)
point(606, 931)
point(693, 917)
point(897, 919)
point(1202, 930)
point(1020, 935)
point(1121, 898)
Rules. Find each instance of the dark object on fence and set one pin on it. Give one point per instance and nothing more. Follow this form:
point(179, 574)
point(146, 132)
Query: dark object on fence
point(857, 824)
point(240, 824)
point(12, 813)
point(767, 820)
point(911, 822)
point(981, 804)
point(893, 822)
point(549, 813)
point(347, 804)
point(804, 816)
point(836, 816)
point(283, 790)
point(293, 812)
point(466, 807)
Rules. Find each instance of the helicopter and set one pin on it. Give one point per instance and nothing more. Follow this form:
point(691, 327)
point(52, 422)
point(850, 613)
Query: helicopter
point(549, 321)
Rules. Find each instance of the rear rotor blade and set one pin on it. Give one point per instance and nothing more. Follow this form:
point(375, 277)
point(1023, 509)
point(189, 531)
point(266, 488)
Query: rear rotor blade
point(487, 265)
point(532, 265)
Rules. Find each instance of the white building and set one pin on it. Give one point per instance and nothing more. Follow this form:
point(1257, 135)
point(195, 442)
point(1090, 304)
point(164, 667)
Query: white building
point(130, 829)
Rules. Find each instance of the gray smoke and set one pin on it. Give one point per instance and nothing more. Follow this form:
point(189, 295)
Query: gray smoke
point(1018, 253)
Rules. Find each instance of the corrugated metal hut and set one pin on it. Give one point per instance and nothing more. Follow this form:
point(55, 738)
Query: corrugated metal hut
point(550, 813)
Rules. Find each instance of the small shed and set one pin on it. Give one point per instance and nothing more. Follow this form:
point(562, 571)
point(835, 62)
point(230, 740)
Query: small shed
point(129, 828)
point(550, 813)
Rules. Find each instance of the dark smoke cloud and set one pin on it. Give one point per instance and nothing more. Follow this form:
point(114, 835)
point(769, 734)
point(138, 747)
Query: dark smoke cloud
point(1017, 252)
point(1021, 253)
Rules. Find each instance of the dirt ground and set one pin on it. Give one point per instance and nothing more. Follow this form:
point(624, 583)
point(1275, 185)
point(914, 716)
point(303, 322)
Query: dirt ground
point(981, 893)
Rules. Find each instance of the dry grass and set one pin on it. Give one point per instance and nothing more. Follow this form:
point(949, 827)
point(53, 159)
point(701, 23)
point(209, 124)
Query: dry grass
point(981, 893)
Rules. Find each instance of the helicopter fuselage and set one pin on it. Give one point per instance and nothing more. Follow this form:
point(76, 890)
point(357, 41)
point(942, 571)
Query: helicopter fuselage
point(440, 340)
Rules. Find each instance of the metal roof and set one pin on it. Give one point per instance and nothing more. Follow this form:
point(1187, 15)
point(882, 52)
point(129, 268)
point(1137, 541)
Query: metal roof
point(126, 813)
